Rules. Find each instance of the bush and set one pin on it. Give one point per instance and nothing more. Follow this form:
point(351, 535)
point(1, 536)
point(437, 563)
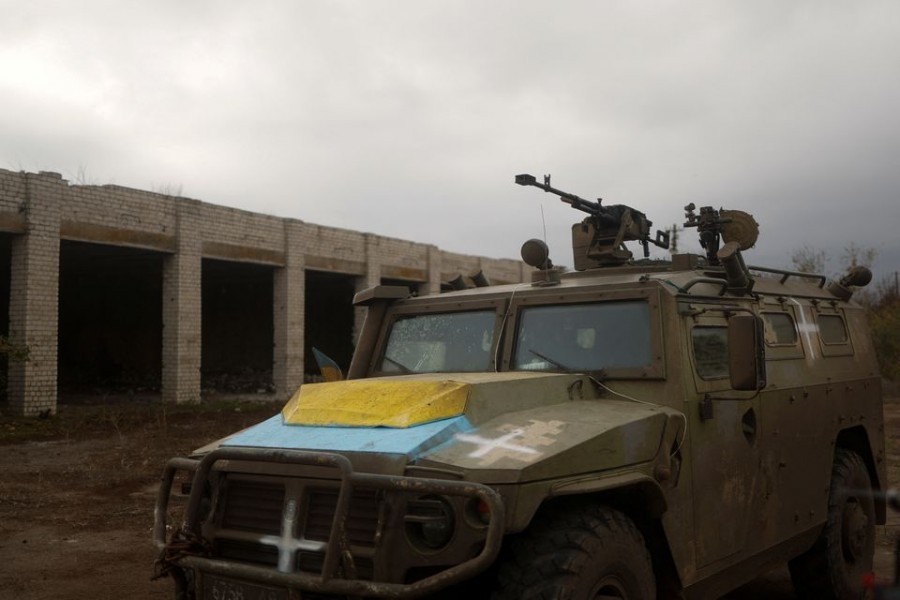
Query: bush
point(884, 319)
point(9, 352)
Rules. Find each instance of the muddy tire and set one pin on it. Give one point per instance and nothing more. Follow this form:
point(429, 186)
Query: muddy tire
point(834, 567)
point(577, 552)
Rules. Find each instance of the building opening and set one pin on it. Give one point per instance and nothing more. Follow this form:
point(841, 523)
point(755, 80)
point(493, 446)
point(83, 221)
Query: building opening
point(329, 319)
point(110, 319)
point(237, 328)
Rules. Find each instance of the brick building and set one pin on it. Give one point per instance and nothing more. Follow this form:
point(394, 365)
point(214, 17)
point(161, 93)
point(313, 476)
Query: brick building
point(113, 286)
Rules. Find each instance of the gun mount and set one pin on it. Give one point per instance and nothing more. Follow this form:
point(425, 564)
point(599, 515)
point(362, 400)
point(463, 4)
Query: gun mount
point(599, 240)
point(715, 225)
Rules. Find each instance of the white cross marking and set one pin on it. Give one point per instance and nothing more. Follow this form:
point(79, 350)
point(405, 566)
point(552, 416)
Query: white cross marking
point(487, 445)
point(806, 328)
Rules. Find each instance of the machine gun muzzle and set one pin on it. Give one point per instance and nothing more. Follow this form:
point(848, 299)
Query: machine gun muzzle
point(592, 208)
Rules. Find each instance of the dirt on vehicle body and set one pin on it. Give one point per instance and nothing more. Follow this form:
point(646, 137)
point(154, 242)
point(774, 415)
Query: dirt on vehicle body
point(627, 430)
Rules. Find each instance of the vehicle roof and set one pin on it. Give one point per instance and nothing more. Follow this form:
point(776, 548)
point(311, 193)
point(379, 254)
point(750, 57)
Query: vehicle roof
point(701, 282)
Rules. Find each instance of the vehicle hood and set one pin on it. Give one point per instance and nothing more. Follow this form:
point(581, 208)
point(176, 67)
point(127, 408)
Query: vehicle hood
point(398, 415)
point(522, 422)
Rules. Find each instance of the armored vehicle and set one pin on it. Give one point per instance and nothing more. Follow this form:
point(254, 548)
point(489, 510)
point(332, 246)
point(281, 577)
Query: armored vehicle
point(632, 429)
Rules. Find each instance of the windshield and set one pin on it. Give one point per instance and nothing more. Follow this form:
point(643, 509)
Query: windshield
point(583, 337)
point(440, 342)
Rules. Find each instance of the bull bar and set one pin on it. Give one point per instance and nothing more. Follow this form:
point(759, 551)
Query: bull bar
point(337, 548)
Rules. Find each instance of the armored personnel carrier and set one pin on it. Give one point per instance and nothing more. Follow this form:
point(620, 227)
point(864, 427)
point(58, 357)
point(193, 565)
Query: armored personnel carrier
point(632, 429)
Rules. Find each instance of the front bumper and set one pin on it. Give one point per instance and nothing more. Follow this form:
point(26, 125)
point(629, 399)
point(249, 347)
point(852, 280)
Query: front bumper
point(188, 551)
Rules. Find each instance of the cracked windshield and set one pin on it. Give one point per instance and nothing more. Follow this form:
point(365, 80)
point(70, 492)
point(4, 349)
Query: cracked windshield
point(442, 342)
point(583, 337)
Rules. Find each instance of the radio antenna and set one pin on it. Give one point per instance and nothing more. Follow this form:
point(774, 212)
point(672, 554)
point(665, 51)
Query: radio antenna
point(544, 222)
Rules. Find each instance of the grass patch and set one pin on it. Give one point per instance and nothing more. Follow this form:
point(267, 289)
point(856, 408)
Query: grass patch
point(121, 417)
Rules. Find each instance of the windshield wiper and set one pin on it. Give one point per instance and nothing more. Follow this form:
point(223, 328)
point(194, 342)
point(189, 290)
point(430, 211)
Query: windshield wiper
point(598, 376)
point(403, 368)
point(552, 361)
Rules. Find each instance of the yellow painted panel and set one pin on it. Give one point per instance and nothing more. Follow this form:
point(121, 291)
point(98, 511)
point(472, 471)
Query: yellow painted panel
point(376, 403)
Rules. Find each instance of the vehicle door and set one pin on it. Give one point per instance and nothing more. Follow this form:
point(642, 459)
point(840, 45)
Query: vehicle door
point(798, 414)
point(724, 442)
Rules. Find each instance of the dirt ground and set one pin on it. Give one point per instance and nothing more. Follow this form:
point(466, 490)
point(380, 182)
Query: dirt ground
point(77, 493)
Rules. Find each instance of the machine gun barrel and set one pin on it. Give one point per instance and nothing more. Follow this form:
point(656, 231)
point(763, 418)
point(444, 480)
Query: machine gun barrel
point(576, 202)
point(601, 236)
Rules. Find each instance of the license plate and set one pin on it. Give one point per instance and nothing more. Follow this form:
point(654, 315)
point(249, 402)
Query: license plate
point(221, 588)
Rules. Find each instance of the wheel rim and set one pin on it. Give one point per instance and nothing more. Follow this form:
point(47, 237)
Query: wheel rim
point(610, 588)
point(854, 530)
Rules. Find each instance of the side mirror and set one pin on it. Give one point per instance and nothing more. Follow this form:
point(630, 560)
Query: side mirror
point(329, 369)
point(746, 352)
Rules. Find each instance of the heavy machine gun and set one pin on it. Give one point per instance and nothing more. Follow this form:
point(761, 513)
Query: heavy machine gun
point(599, 240)
point(726, 225)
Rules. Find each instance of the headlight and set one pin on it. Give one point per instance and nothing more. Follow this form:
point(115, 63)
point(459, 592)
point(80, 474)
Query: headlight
point(478, 513)
point(430, 522)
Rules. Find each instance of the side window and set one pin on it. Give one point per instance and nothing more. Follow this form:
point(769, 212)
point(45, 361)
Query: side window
point(832, 329)
point(710, 345)
point(834, 335)
point(780, 329)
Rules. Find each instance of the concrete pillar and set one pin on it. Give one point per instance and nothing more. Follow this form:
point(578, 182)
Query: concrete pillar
point(182, 308)
point(371, 279)
point(34, 297)
point(433, 285)
point(289, 313)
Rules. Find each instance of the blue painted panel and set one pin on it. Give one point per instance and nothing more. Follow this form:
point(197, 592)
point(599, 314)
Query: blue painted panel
point(411, 441)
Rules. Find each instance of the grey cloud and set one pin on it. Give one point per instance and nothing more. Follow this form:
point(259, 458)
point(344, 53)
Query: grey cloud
point(410, 118)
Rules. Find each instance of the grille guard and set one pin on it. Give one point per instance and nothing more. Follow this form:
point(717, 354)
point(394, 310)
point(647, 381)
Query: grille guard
point(326, 581)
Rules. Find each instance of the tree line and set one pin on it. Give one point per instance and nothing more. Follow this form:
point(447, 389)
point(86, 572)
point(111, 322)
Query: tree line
point(882, 301)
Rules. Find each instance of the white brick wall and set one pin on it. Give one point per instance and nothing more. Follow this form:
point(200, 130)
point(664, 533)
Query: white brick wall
point(111, 214)
point(33, 306)
point(239, 227)
point(182, 310)
point(331, 242)
point(12, 191)
point(119, 207)
point(289, 313)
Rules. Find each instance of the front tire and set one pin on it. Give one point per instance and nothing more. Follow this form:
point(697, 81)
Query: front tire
point(577, 552)
point(833, 569)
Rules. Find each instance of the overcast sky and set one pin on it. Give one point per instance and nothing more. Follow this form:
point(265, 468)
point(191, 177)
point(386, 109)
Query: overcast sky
point(411, 118)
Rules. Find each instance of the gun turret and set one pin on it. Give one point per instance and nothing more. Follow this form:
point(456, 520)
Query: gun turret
point(727, 225)
point(599, 240)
